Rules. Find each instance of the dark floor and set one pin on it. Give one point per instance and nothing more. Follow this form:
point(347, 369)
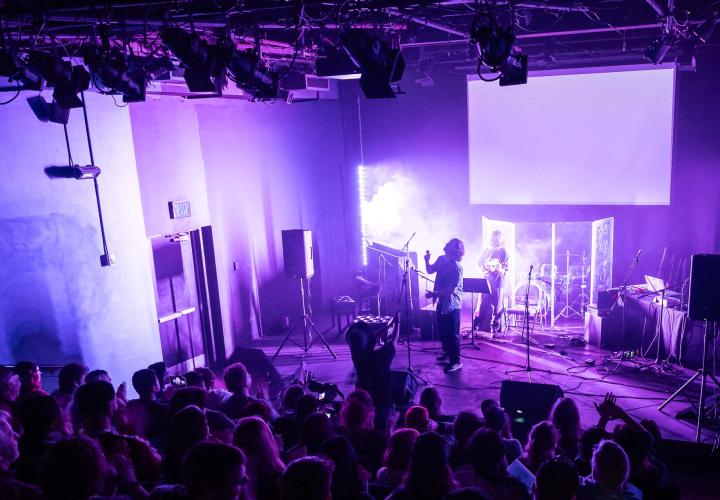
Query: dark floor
point(639, 388)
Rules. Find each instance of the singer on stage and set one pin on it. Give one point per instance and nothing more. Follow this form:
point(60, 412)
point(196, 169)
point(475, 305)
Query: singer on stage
point(448, 292)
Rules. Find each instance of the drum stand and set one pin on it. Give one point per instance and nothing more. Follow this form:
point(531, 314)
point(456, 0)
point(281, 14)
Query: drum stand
point(306, 325)
point(567, 310)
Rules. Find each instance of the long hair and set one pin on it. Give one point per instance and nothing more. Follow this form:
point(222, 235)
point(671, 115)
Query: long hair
point(541, 444)
point(254, 437)
point(566, 420)
point(429, 475)
point(399, 449)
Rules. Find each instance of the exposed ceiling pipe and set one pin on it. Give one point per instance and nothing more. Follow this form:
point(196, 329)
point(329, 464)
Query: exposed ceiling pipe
point(430, 24)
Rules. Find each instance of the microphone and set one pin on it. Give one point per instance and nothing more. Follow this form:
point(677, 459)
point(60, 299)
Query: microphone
point(530, 272)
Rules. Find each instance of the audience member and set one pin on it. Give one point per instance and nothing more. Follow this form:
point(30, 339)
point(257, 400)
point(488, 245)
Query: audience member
point(220, 426)
point(565, 418)
point(610, 472)
point(95, 404)
point(497, 420)
point(357, 418)
point(257, 408)
point(290, 397)
point(98, 375)
point(488, 469)
point(30, 379)
point(146, 416)
point(429, 476)
point(416, 417)
point(238, 382)
point(184, 397)
point(215, 395)
point(397, 457)
point(11, 488)
point(70, 377)
point(430, 399)
point(75, 469)
point(556, 480)
point(264, 466)
point(541, 446)
point(349, 480)
point(588, 441)
point(465, 426)
point(314, 431)
point(41, 420)
point(215, 471)
point(288, 426)
point(9, 389)
point(307, 478)
point(187, 427)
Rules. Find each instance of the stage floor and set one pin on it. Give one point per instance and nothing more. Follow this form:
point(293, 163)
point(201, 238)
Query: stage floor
point(639, 390)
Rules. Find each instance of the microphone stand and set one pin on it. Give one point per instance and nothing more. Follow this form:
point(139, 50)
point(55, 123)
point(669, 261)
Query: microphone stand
point(526, 333)
point(406, 288)
point(621, 295)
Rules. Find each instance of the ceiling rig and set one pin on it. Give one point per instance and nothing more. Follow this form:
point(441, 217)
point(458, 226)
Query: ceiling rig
point(262, 49)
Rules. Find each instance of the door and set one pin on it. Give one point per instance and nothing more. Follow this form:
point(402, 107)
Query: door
point(176, 296)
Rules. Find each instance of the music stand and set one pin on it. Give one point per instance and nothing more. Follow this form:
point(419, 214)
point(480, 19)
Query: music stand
point(475, 285)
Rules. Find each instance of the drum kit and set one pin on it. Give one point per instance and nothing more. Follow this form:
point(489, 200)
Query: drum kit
point(571, 288)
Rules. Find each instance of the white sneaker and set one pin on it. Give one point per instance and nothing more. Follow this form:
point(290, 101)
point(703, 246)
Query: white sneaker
point(453, 367)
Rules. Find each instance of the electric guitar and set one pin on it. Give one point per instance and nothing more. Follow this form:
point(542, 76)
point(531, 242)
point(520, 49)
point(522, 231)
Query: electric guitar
point(493, 265)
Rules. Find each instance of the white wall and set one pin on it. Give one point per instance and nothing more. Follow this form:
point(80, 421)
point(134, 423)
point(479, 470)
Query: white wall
point(56, 302)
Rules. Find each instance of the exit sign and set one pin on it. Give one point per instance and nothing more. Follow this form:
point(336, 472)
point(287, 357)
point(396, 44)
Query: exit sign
point(179, 209)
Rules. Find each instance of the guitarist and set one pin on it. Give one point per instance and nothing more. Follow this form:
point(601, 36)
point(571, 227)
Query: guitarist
point(448, 292)
point(494, 261)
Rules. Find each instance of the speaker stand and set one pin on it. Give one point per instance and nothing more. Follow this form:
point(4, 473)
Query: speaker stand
point(703, 373)
point(304, 324)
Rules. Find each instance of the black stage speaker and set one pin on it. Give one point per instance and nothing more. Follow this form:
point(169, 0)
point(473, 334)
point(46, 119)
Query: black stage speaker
point(298, 253)
point(605, 330)
point(259, 367)
point(704, 300)
point(527, 403)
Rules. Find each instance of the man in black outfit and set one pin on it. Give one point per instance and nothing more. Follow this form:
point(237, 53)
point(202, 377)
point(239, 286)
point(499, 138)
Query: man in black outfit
point(448, 292)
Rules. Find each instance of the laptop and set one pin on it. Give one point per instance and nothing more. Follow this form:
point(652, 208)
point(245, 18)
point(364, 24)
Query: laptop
point(654, 284)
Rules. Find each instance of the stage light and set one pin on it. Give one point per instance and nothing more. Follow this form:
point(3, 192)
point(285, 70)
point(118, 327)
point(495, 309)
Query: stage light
point(204, 64)
point(114, 73)
point(48, 111)
point(495, 48)
point(250, 73)
point(515, 71)
point(494, 43)
point(67, 80)
point(379, 64)
point(658, 48)
point(77, 172)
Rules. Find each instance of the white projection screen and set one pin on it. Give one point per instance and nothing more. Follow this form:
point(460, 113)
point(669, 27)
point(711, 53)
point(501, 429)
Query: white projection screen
point(596, 137)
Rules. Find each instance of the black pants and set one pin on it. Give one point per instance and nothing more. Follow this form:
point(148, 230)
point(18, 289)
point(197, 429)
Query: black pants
point(449, 329)
point(492, 313)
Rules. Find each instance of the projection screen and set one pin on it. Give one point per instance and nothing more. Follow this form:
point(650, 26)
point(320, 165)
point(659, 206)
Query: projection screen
point(597, 137)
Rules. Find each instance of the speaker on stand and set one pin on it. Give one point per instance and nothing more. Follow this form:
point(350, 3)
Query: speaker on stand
point(299, 264)
point(703, 305)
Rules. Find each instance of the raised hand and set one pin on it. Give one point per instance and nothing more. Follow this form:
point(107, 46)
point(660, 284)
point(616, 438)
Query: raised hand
point(427, 256)
point(608, 409)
